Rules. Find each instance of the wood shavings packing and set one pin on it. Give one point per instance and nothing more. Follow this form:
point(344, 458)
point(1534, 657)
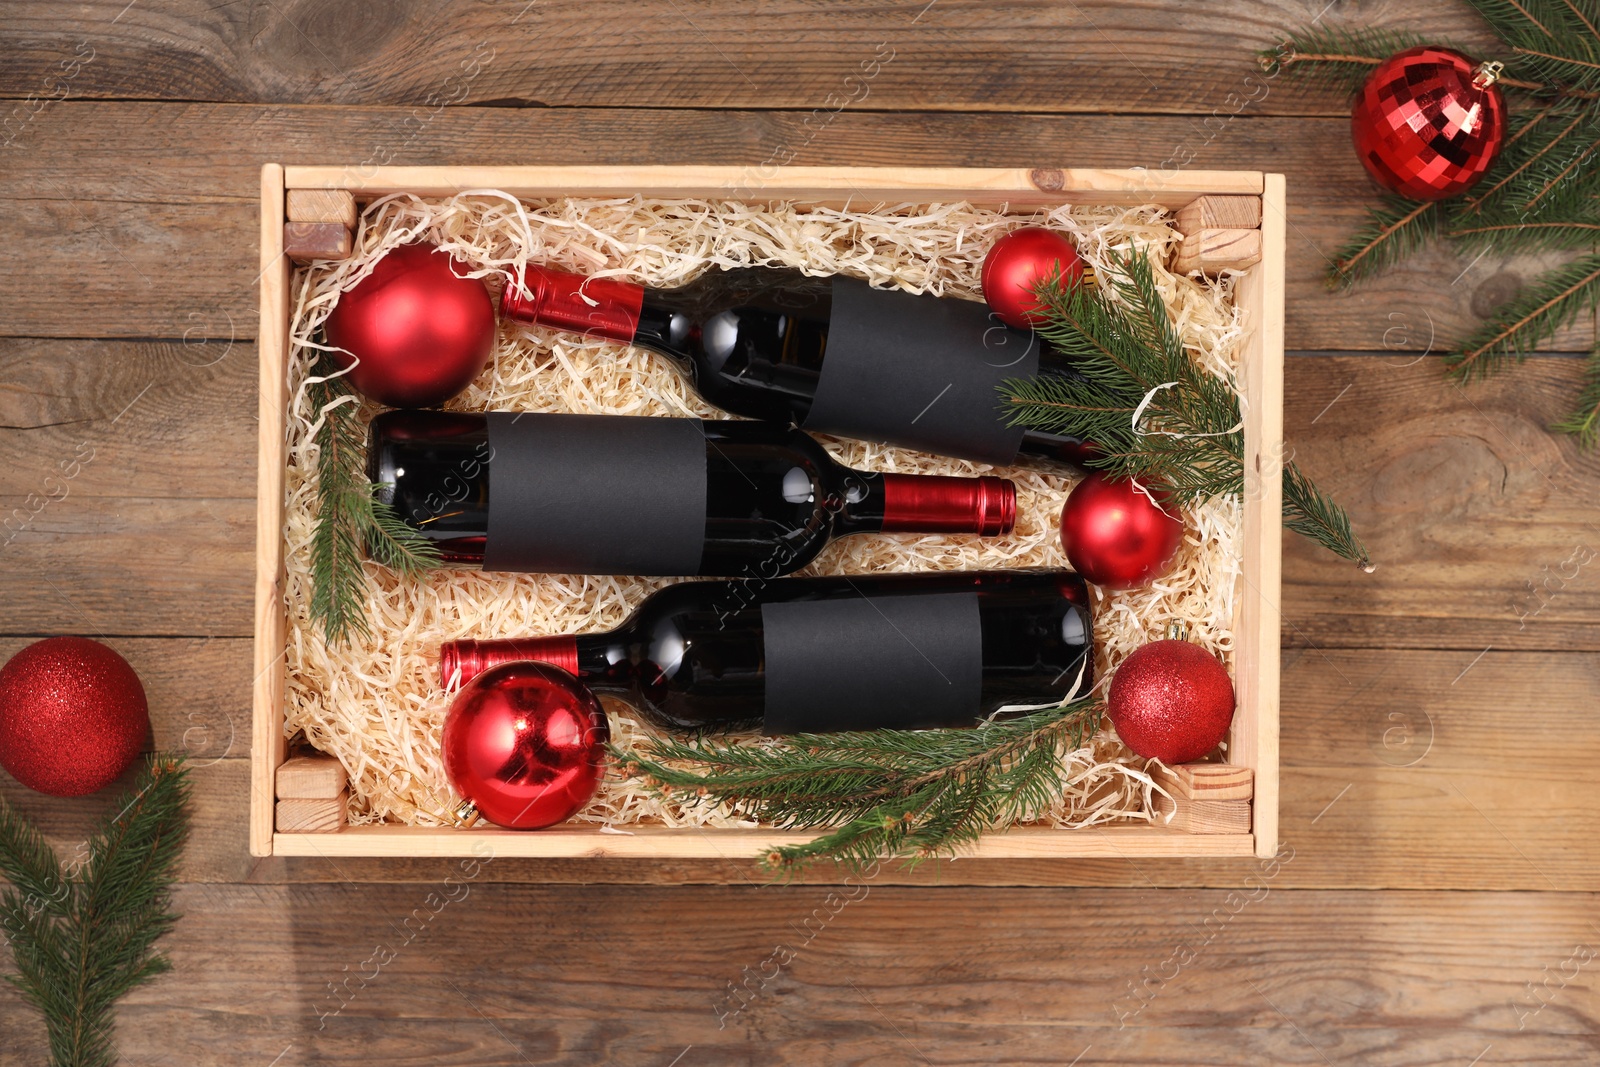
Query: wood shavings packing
point(374, 702)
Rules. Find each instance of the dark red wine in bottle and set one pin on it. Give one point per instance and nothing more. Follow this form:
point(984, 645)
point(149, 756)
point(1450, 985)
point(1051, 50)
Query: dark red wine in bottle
point(831, 355)
point(812, 655)
point(611, 494)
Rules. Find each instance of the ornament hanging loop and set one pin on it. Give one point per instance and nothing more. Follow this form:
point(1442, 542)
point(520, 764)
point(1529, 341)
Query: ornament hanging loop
point(1487, 73)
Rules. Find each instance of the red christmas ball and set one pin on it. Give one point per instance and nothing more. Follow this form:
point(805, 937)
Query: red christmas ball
point(1115, 535)
point(1017, 263)
point(525, 743)
point(1429, 122)
point(420, 329)
point(73, 716)
point(1171, 701)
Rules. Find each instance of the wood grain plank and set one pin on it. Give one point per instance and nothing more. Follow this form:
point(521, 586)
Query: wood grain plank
point(153, 207)
point(1481, 522)
point(1195, 59)
point(1393, 777)
point(472, 973)
point(113, 418)
point(131, 565)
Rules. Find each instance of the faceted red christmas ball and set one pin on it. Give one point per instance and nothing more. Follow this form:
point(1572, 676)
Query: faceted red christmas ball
point(420, 328)
point(1171, 700)
point(1017, 263)
point(73, 716)
point(525, 743)
point(1115, 535)
point(1429, 122)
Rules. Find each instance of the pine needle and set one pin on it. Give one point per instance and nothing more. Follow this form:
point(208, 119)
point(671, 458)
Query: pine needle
point(82, 942)
point(911, 795)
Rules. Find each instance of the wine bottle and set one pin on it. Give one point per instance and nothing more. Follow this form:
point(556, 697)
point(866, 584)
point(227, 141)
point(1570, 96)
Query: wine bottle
point(810, 655)
point(610, 494)
point(830, 354)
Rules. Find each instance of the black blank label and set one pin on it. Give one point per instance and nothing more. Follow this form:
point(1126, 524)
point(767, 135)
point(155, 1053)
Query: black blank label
point(890, 662)
point(919, 371)
point(595, 494)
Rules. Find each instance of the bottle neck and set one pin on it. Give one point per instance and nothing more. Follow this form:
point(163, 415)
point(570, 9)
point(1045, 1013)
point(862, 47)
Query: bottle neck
point(594, 307)
point(462, 661)
point(930, 503)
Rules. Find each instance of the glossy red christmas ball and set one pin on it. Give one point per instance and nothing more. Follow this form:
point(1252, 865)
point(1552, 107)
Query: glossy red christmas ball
point(73, 716)
point(1429, 122)
point(1115, 535)
point(1172, 701)
point(1017, 263)
point(525, 743)
point(420, 328)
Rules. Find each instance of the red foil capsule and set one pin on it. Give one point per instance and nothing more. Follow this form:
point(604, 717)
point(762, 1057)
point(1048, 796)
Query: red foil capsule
point(936, 504)
point(594, 307)
point(472, 658)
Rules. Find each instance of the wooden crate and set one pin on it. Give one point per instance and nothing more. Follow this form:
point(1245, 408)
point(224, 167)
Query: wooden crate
point(1253, 740)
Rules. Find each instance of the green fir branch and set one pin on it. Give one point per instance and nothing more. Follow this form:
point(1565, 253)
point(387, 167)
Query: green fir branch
point(81, 942)
point(1535, 316)
point(350, 518)
point(1189, 442)
point(908, 794)
point(1309, 512)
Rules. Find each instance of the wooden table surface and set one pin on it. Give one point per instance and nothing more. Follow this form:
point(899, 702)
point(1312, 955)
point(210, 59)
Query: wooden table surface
point(1439, 736)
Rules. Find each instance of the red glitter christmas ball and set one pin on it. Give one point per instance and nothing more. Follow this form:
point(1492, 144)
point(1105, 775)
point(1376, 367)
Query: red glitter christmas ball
point(1171, 701)
point(73, 716)
point(1017, 263)
point(1115, 535)
point(525, 743)
point(419, 327)
point(1429, 122)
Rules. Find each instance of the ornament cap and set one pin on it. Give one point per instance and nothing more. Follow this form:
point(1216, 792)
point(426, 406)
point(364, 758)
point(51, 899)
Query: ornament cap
point(1487, 73)
point(466, 814)
point(1177, 630)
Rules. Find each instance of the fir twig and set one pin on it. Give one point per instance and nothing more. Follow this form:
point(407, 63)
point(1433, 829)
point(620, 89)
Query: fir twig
point(1335, 57)
point(885, 793)
point(349, 517)
point(1393, 231)
point(81, 942)
point(1189, 439)
point(1311, 513)
point(1584, 422)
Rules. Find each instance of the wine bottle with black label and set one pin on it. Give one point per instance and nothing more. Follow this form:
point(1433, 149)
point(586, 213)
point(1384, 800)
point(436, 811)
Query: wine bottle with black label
point(829, 354)
point(813, 655)
point(611, 494)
